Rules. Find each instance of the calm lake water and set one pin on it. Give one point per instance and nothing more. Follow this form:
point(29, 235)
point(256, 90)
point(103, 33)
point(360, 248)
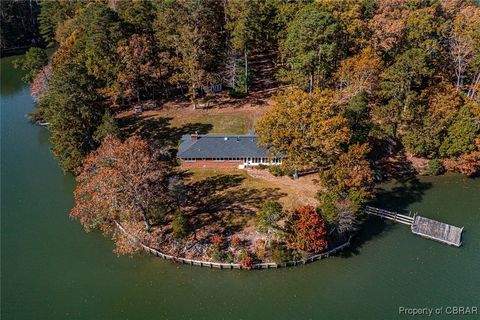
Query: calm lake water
point(51, 269)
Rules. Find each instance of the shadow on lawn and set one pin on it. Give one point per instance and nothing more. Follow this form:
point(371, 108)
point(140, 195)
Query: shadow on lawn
point(396, 197)
point(160, 129)
point(222, 204)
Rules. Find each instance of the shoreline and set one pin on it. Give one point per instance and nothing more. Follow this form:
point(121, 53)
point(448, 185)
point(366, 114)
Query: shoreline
point(230, 266)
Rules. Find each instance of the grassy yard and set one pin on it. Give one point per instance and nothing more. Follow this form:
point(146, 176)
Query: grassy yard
point(225, 201)
point(291, 193)
point(220, 123)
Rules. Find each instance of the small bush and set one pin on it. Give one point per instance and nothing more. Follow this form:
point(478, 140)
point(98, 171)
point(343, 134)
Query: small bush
point(237, 94)
point(262, 167)
point(281, 170)
point(288, 171)
point(229, 258)
point(269, 214)
point(280, 253)
point(180, 225)
point(235, 241)
point(218, 254)
point(435, 167)
point(260, 250)
point(245, 260)
point(276, 171)
point(218, 241)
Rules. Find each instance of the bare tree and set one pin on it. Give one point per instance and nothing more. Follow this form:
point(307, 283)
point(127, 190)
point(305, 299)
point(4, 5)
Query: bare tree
point(461, 52)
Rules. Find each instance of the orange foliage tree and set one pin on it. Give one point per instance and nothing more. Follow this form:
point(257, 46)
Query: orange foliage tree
point(388, 24)
point(122, 182)
point(359, 73)
point(138, 66)
point(308, 128)
point(347, 185)
point(306, 230)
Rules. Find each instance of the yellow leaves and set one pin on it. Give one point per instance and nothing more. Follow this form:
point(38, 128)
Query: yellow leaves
point(467, 23)
point(388, 23)
point(444, 102)
point(355, 169)
point(349, 13)
point(69, 42)
point(475, 110)
point(359, 73)
point(308, 128)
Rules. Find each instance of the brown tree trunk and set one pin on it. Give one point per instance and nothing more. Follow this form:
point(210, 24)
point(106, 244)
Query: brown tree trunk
point(246, 72)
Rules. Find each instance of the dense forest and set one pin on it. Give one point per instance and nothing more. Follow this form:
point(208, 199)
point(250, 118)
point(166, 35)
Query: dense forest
point(363, 82)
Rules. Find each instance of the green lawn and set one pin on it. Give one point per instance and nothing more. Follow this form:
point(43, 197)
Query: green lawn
point(221, 123)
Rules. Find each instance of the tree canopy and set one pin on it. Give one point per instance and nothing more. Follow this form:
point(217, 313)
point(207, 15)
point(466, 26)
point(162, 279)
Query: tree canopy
point(122, 182)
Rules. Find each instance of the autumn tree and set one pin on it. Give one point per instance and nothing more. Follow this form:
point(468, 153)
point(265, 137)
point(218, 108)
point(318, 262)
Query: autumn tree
point(122, 182)
point(461, 134)
point(388, 25)
point(138, 71)
point(469, 163)
point(91, 38)
point(311, 48)
point(427, 132)
point(347, 185)
point(400, 85)
point(306, 230)
point(39, 85)
point(359, 73)
point(191, 32)
point(464, 49)
point(308, 129)
point(424, 26)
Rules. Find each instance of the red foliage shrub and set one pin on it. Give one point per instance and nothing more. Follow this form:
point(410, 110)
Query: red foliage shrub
point(247, 262)
point(235, 241)
point(218, 240)
point(306, 230)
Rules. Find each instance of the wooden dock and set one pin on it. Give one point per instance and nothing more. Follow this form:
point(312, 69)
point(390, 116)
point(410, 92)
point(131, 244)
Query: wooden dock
point(436, 230)
point(427, 228)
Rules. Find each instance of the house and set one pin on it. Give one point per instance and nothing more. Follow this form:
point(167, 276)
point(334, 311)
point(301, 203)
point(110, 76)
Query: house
point(224, 151)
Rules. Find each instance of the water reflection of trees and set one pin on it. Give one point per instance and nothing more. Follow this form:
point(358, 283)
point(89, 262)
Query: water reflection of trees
point(396, 196)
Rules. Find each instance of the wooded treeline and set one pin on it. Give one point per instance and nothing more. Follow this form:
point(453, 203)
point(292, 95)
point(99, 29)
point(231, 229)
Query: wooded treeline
point(416, 64)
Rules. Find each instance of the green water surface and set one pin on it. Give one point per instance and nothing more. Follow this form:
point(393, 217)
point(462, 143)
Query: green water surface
point(51, 269)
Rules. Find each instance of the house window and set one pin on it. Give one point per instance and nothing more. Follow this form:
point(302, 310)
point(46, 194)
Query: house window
point(218, 159)
point(190, 159)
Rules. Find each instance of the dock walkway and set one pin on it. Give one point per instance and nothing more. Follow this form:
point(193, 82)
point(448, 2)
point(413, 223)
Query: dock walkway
point(425, 227)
